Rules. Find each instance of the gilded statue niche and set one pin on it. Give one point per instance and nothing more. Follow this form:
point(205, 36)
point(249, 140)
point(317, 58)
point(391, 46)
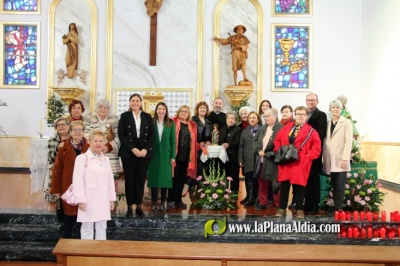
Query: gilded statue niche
point(73, 32)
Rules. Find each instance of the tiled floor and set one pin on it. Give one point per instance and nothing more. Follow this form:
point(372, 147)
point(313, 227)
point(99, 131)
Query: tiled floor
point(15, 195)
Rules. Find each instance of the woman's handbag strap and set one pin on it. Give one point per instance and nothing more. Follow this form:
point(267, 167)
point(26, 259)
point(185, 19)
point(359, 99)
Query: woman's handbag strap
point(304, 142)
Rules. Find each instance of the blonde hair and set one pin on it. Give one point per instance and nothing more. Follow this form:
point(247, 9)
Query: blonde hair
point(76, 123)
point(96, 132)
point(180, 109)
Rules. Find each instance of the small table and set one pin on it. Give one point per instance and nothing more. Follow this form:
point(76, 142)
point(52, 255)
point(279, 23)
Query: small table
point(214, 152)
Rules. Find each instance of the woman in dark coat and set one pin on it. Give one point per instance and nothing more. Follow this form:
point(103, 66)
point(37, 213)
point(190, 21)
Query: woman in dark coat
point(297, 172)
point(264, 147)
point(136, 134)
point(229, 139)
point(64, 168)
point(247, 155)
point(164, 153)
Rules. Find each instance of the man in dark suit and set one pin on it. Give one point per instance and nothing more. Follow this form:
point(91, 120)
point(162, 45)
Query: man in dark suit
point(318, 120)
point(217, 116)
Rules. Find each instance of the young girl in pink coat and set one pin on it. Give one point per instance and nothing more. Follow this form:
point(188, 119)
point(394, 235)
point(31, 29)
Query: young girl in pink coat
point(94, 188)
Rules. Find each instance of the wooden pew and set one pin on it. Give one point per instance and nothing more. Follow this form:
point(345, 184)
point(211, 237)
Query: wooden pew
point(74, 252)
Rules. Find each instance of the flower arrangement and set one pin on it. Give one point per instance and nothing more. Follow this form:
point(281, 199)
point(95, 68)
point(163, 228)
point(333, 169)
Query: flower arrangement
point(119, 182)
point(55, 109)
point(213, 191)
point(361, 193)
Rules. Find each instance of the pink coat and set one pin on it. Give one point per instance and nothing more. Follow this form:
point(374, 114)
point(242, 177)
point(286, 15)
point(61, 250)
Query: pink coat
point(298, 171)
point(93, 184)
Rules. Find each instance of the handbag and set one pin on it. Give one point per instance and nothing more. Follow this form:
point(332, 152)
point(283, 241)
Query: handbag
point(289, 153)
point(69, 195)
point(59, 211)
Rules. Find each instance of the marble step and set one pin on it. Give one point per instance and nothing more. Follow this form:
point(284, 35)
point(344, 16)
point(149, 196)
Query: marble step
point(26, 251)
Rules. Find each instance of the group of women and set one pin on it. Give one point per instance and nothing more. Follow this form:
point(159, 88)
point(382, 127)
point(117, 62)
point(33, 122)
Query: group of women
point(86, 152)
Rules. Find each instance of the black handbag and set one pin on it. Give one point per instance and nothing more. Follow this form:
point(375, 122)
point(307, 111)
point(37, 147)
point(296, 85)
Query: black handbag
point(59, 210)
point(289, 153)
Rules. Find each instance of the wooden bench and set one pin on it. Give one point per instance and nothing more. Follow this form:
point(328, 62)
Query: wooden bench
point(74, 252)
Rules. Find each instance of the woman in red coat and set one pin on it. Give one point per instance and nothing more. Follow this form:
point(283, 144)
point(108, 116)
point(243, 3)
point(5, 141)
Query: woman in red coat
point(64, 168)
point(296, 173)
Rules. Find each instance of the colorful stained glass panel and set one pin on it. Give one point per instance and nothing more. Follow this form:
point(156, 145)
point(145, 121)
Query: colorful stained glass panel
point(20, 46)
point(20, 5)
point(291, 58)
point(292, 7)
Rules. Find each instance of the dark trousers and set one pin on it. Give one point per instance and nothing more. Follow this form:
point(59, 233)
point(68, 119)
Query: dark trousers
point(69, 222)
point(248, 180)
point(232, 170)
point(298, 195)
point(154, 194)
point(178, 182)
point(313, 188)
point(338, 181)
point(135, 170)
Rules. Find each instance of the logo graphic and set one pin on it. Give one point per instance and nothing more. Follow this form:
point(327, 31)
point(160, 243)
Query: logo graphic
point(208, 227)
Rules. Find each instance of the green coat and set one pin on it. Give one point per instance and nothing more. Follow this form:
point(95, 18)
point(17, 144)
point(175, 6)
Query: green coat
point(160, 169)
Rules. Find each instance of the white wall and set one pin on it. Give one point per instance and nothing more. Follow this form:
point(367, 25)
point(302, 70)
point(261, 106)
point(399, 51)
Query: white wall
point(347, 50)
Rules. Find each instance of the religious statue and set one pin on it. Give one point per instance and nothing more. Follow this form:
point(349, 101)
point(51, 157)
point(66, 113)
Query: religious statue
point(71, 57)
point(215, 135)
point(346, 113)
point(239, 44)
point(153, 6)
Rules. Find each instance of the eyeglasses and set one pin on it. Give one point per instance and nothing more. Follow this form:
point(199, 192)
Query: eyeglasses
point(183, 111)
point(77, 130)
point(311, 100)
point(298, 114)
point(267, 116)
point(61, 125)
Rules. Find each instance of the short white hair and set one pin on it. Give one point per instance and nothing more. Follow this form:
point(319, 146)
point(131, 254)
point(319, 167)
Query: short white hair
point(336, 103)
point(247, 108)
point(103, 102)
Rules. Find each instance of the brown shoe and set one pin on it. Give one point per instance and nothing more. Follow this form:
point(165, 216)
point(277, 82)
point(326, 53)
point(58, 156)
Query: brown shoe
point(281, 212)
point(300, 214)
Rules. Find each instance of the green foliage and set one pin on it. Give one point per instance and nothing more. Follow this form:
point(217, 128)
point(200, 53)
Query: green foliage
point(236, 108)
point(55, 110)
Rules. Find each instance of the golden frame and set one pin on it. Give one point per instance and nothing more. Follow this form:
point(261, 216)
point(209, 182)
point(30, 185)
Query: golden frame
point(293, 62)
point(2, 63)
point(308, 13)
point(2, 11)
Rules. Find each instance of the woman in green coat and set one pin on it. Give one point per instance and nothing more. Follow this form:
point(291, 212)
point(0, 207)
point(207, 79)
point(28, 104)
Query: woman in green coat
point(164, 152)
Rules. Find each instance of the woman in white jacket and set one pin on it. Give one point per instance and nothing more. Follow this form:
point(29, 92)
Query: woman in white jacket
point(337, 150)
point(94, 188)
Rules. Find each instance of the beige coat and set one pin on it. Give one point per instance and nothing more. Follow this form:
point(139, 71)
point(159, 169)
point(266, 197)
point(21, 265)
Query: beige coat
point(337, 147)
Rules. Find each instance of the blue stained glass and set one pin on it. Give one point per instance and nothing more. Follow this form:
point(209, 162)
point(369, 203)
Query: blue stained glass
point(291, 66)
point(20, 5)
point(20, 55)
point(292, 6)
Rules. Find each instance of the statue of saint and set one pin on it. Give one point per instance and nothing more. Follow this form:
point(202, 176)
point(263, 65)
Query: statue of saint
point(215, 135)
point(239, 44)
point(71, 57)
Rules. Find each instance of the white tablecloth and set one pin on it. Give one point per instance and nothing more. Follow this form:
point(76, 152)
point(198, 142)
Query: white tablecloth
point(221, 155)
point(38, 164)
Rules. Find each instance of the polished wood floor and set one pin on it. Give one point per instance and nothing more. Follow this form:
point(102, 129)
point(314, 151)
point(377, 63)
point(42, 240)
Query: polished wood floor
point(15, 195)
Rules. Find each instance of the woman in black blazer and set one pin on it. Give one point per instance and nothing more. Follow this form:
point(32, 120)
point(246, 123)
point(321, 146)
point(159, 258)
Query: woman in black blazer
point(136, 134)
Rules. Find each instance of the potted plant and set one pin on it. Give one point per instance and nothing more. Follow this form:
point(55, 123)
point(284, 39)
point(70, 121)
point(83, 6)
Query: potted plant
point(55, 109)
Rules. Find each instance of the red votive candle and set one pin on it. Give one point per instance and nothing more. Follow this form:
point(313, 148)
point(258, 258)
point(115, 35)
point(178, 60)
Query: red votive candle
point(363, 233)
point(376, 233)
point(369, 232)
point(343, 232)
point(350, 232)
point(397, 216)
point(356, 232)
point(342, 216)
point(392, 219)
point(337, 215)
point(376, 216)
point(383, 232)
point(369, 216)
point(383, 216)
point(347, 216)
point(362, 216)
point(355, 215)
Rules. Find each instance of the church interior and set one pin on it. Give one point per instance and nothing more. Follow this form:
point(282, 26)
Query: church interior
point(175, 51)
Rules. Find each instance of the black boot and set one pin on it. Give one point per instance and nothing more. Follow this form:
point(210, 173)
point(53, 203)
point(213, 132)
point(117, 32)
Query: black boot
point(254, 195)
point(249, 187)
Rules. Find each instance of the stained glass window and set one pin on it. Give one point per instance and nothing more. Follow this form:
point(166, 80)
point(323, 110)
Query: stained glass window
point(20, 55)
point(292, 58)
point(20, 5)
point(293, 7)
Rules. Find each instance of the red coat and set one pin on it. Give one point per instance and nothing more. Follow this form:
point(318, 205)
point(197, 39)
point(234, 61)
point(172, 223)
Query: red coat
point(62, 172)
point(297, 172)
